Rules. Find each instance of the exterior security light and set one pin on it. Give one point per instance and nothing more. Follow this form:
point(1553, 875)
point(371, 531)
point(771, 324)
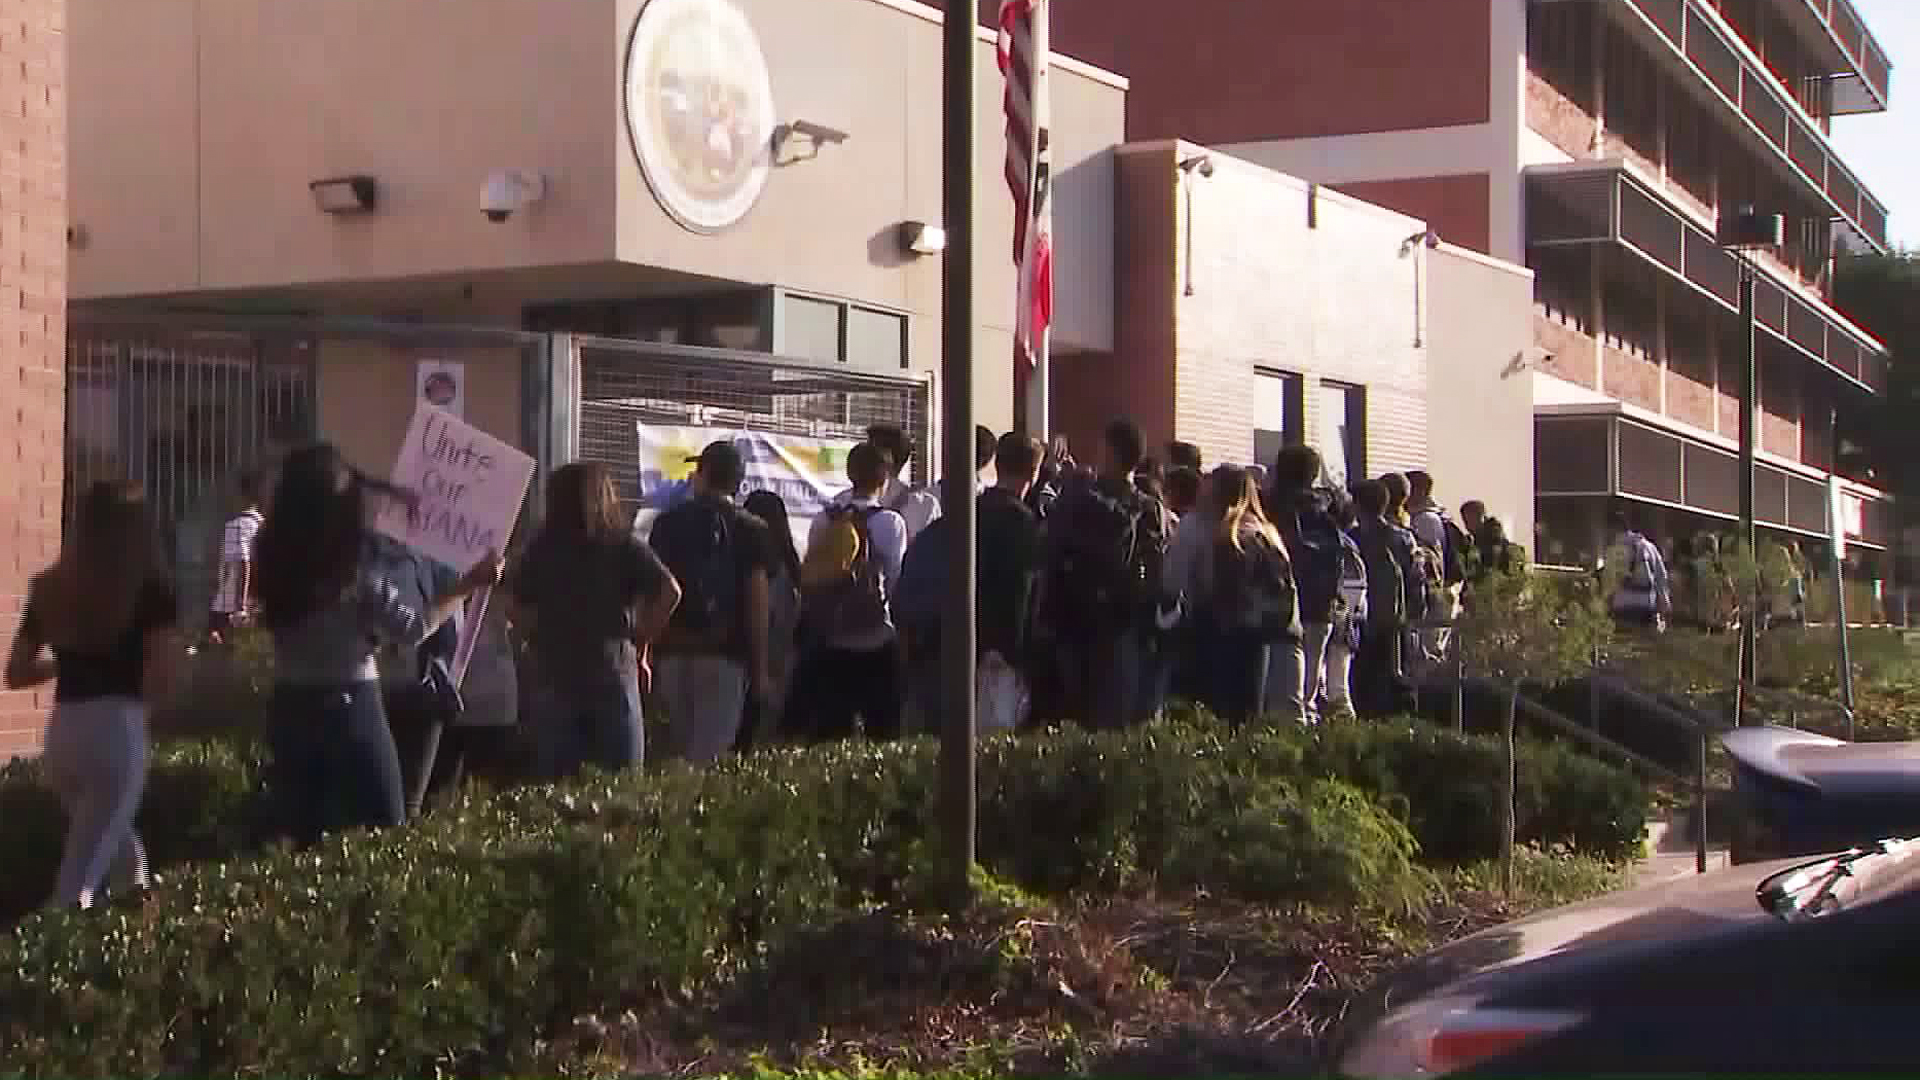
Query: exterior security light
point(920, 238)
point(346, 194)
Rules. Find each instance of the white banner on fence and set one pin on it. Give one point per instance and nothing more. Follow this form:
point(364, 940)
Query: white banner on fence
point(470, 486)
point(806, 472)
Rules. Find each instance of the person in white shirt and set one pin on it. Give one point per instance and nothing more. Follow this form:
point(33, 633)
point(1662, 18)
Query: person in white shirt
point(850, 666)
point(1429, 524)
point(233, 585)
point(916, 504)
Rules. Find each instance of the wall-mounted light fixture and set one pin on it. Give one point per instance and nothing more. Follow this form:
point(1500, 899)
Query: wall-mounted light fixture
point(813, 135)
point(920, 238)
point(1428, 237)
point(1200, 165)
point(346, 194)
point(1430, 240)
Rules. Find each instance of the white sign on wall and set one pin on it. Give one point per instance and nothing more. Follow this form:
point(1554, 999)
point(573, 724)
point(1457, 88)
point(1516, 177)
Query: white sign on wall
point(441, 384)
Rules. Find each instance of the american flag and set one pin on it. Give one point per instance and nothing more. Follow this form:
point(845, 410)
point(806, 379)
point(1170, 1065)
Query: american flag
point(1023, 49)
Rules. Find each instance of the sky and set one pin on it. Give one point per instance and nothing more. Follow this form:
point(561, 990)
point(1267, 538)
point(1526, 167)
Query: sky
point(1881, 148)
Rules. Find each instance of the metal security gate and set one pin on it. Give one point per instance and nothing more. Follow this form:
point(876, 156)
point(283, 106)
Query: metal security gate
point(186, 408)
point(183, 414)
point(624, 383)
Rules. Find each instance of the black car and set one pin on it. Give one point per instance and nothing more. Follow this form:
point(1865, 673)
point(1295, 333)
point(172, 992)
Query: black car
point(1794, 966)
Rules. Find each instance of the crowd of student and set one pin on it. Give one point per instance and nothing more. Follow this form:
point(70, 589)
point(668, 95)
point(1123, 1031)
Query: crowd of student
point(1102, 591)
point(1693, 582)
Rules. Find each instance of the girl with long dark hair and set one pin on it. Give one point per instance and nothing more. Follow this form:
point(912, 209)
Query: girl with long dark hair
point(330, 610)
point(589, 597)
point(101, 625)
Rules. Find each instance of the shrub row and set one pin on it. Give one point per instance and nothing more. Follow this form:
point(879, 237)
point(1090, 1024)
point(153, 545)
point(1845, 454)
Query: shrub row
point(203, 798)
point(458, 944)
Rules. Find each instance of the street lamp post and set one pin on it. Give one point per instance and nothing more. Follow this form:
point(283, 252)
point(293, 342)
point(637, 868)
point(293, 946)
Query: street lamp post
point(1741, 233)
point(956, 369)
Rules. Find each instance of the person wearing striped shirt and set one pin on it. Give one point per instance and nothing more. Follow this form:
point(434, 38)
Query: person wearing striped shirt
point(233, 584)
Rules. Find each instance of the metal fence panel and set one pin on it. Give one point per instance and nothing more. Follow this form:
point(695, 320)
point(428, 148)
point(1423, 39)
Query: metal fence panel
point(624, 383)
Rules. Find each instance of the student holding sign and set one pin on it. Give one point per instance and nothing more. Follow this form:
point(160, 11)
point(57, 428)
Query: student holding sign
point(334, 762)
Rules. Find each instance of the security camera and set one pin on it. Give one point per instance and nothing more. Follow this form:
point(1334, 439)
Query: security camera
point(509, 190)
point(1198, 163)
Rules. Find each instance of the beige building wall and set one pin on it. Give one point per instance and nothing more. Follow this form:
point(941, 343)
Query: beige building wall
point(365, 395)
point(198, 125)
point(1291, 277)
point(1480, 386)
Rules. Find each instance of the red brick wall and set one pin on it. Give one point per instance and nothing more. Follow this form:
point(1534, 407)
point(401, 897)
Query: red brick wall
point(1136, 380)
point(33, 219)
point(1219, 71)
point(1780, 408)
point(1558, 118)
point(1631, 378)
point(1690, 388)
point(1573, 357)
point(1456, 207)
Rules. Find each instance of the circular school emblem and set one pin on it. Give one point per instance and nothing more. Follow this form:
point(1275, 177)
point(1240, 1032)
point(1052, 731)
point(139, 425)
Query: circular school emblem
point(699, 110)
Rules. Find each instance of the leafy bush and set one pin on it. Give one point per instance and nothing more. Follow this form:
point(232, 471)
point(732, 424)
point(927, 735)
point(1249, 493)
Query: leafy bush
point(458, 945)
point(201, 803)
point(227, 690)
point(1448, 786)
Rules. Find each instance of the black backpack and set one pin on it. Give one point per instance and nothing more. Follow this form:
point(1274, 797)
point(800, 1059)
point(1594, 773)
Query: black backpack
point(1327, 557)
point(695, 540)
point(1101, 572)
point(1253, 590)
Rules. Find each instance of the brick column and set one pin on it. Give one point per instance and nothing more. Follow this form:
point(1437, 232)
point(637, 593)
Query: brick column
point(33, 291)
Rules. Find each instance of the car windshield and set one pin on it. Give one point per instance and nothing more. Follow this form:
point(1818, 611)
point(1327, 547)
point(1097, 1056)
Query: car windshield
point(1827, 885)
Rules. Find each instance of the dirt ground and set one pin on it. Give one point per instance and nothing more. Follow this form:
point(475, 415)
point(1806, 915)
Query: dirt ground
point(1145, 987)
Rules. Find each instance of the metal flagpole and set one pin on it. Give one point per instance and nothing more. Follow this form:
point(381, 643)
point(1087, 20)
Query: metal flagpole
point(1837, 542)
point(1749, 405)
point(956, 331)
point(1039, 380)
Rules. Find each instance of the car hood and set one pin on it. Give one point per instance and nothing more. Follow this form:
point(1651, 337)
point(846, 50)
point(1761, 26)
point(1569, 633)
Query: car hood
point(1681, 909)
point(1803, 761)
point(1676, 908)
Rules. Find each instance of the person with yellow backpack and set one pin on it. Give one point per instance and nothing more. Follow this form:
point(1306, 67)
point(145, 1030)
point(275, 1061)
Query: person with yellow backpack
point(850, 666)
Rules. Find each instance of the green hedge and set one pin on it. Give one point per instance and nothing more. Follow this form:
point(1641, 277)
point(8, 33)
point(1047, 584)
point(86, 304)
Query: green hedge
point(201, 804)
point(202, 798)
point(458, 944)
point(1447, 788)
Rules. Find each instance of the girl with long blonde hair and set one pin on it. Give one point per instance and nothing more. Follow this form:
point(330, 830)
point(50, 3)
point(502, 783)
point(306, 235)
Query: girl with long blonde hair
point(101, 625)
point(1231, 569)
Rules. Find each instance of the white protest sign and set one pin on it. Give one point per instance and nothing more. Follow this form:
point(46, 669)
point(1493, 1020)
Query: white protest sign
point(469, 484)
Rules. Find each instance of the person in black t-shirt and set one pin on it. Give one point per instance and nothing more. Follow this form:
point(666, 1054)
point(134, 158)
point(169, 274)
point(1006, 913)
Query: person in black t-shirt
point(1106, 542)
point(589, 598)
point(110, 622)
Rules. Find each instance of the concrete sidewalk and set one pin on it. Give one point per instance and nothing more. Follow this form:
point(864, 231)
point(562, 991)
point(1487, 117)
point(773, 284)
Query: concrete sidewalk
point(1671, 850)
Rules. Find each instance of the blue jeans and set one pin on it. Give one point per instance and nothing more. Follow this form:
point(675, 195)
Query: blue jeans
point(597, 724)
point(1111, 680)
point(1233, 672)
point(334, 763)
